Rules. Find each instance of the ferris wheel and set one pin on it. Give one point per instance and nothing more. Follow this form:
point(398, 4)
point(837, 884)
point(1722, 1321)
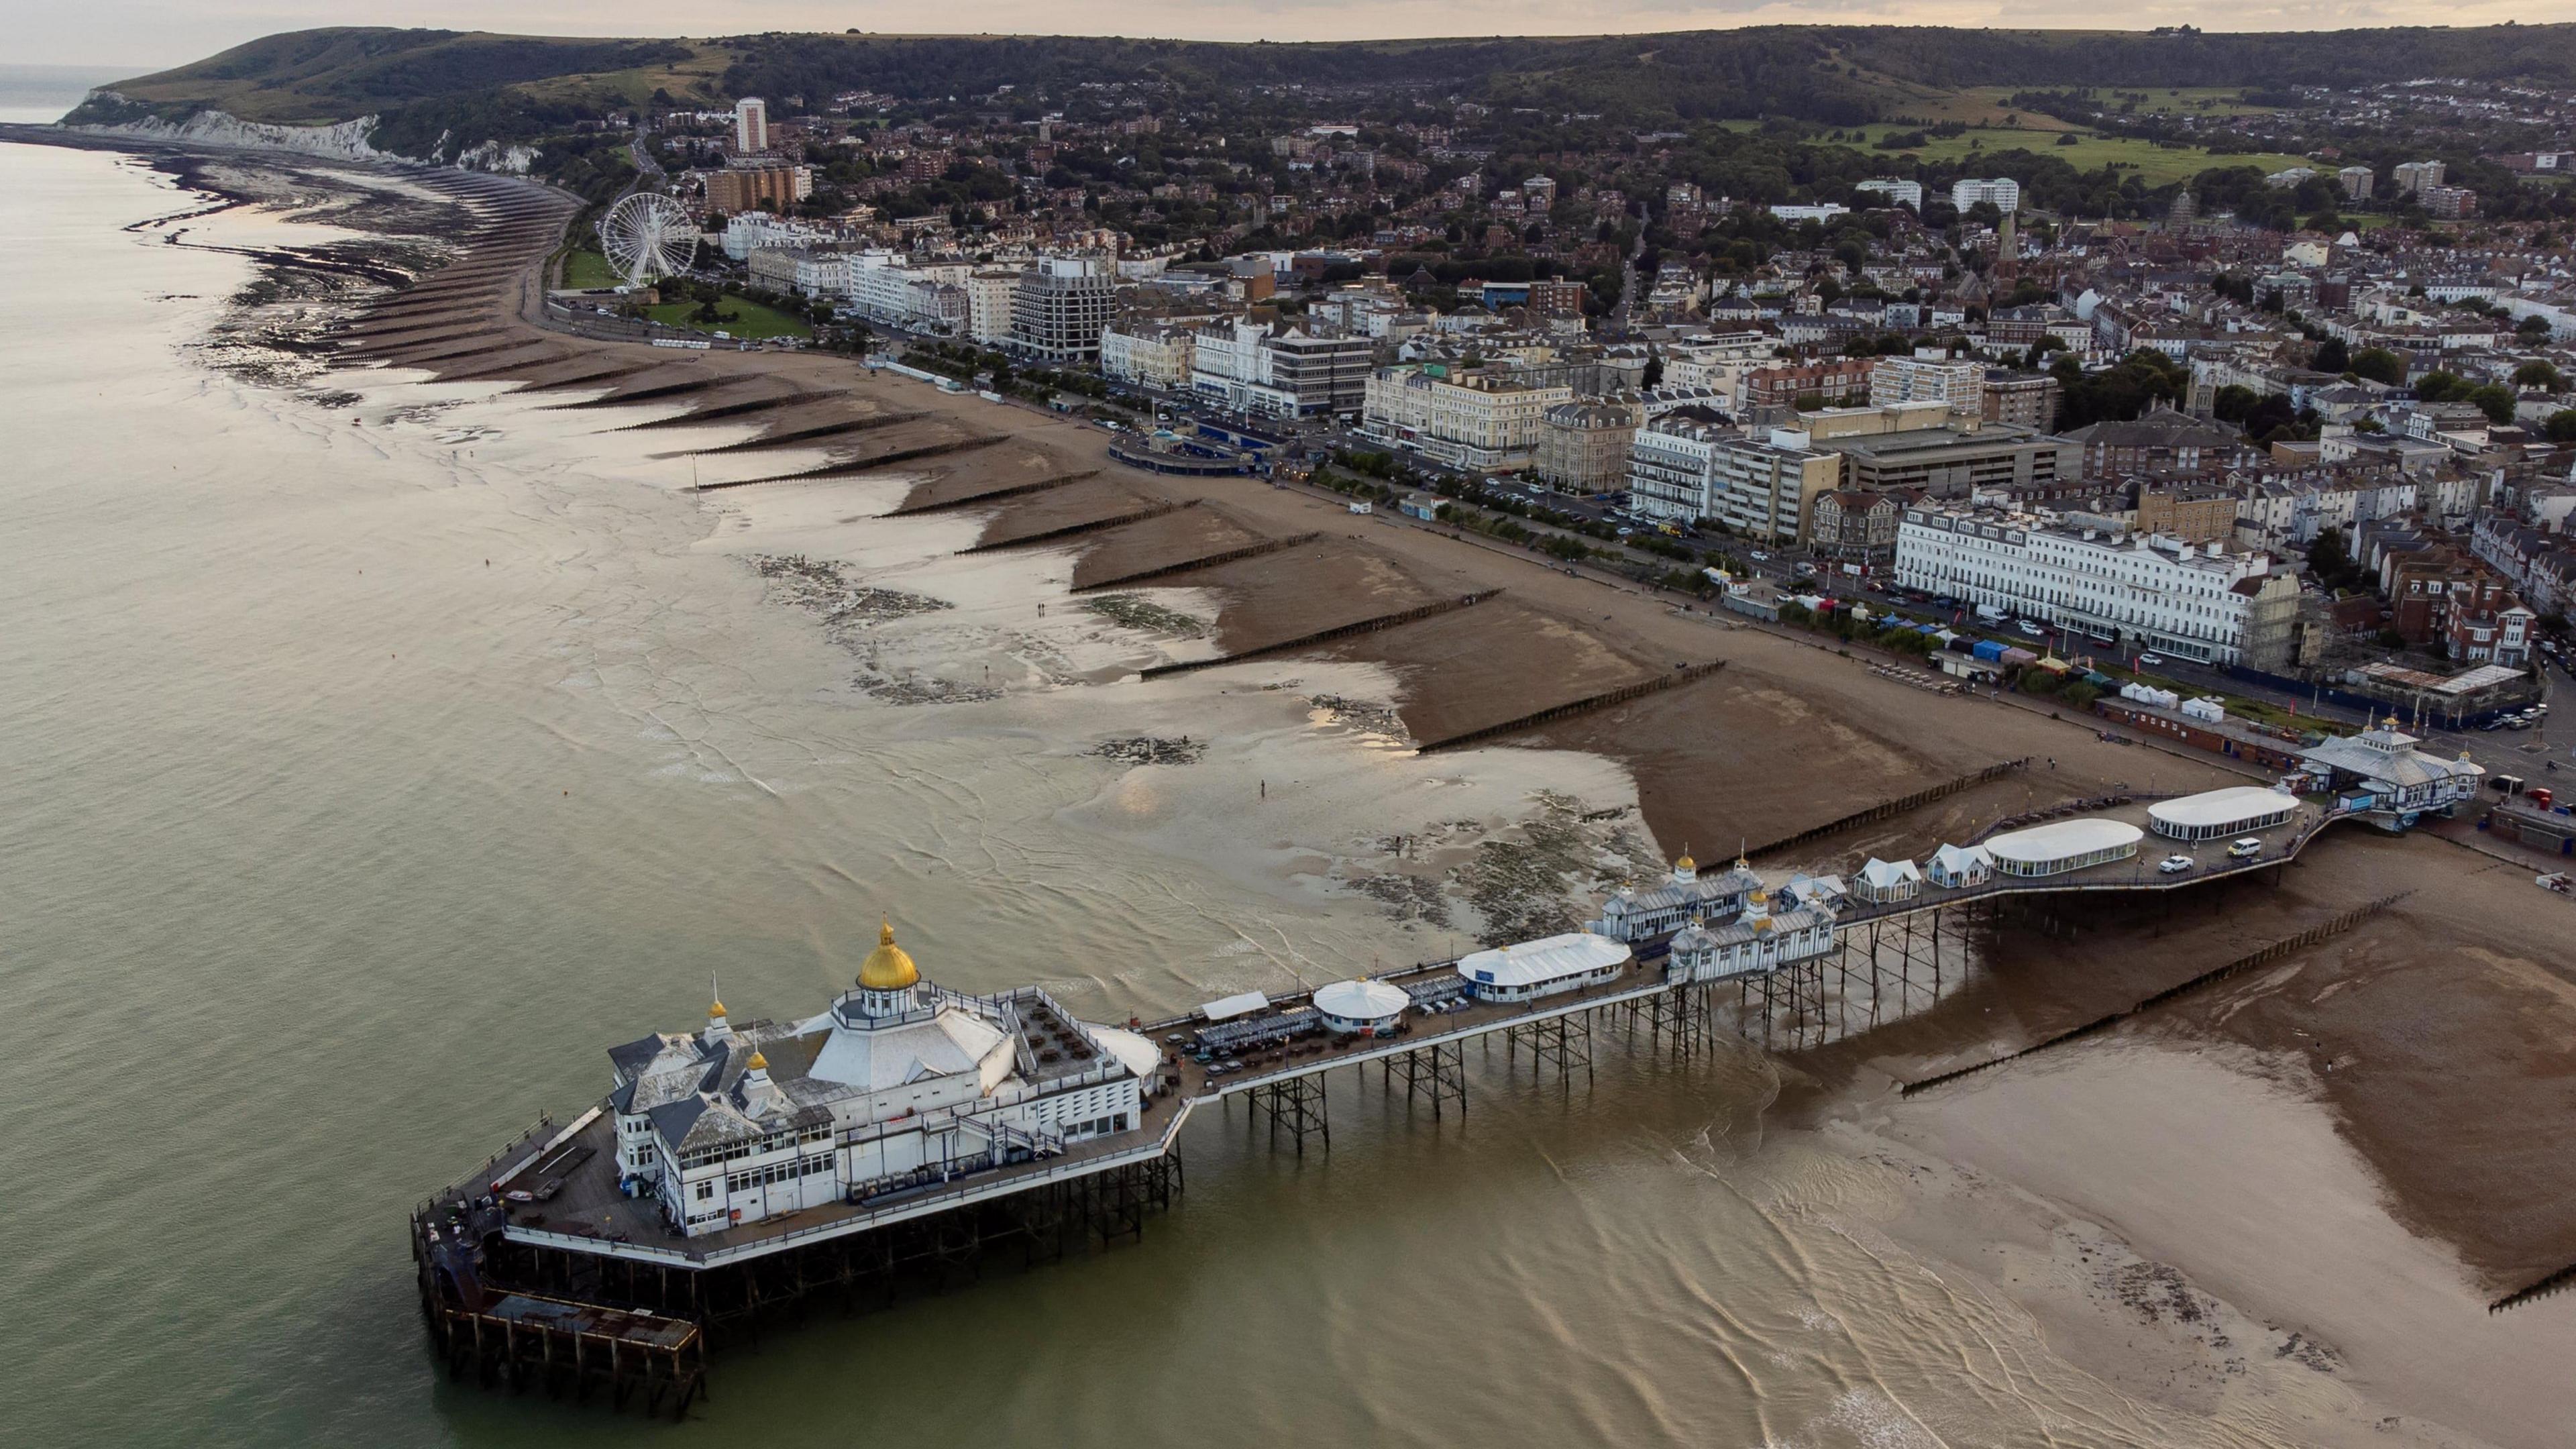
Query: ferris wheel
point(647, 236)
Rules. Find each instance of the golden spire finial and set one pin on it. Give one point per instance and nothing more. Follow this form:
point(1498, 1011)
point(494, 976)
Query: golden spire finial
point(758, 1063)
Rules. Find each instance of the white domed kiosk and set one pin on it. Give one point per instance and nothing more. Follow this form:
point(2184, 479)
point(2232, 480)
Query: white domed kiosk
point(1361, 1008)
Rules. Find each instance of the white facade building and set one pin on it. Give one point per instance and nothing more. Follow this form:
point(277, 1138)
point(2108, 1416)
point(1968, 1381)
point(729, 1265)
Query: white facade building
point(1482, 420)
point(897, 1083)
point(2003, 191)
point(1898, 193)
point(988, 305)
point(748, 231)
point(1959, 386)
point(2202, 603)
point(1763, 489)
point(1147, 354)
point(1633, 915)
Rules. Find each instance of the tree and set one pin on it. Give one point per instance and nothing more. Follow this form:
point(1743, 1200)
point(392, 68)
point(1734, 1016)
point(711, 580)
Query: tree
point(2332, 356)
point(2532, 328)
point(2233, 402)
point(2561, 426)
point(2495, 400)
point(2378, 364)
point(1654, 373)
point(2438, 386)
point(2541, 375)
point(2328, 560)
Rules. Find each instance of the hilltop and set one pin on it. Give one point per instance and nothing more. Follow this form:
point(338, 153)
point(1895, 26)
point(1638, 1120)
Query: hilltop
point(476, 86)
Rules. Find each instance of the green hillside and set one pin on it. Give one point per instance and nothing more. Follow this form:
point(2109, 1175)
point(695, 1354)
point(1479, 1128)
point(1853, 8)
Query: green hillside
point(1836, 75)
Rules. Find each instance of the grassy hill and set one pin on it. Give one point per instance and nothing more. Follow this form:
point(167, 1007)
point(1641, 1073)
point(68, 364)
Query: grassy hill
point(1837, 75)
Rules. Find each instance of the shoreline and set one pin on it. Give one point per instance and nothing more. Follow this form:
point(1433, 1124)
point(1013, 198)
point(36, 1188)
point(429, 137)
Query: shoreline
point(1742, 754)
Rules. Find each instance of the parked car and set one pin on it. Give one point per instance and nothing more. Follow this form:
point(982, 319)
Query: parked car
point(2151, 661)
point(2245, 849)
point(2175, 864)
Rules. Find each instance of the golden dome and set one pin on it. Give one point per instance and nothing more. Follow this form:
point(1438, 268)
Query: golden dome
point(758, 1063)
point(716, 1010)
point(1686, 863)
point(887, 967)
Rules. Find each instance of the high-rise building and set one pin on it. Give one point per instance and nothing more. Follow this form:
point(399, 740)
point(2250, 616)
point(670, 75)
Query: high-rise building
point(750, 124)
point(1061, 305)
point(2409, 176)
point(2355, 181)
point(2003, 191)
point(1960, 385)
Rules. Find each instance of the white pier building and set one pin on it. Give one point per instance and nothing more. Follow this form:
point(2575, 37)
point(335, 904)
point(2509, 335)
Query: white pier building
point(1634, 915)
point(897, 1084)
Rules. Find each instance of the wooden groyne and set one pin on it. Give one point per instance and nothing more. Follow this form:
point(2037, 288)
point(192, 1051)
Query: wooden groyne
point(1326, 636)
point(1886, 808)
point(994, 495)
point(2558, 1282)
point(851, 466)
point(1204, 561)
point(817, 433)
point(735, 410)
point(1076, 530)
point(2265, 956)
point(650, 394)
point(1624, 693)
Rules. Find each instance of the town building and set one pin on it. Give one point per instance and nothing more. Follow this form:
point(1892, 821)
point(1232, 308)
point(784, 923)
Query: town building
point(2194, 515)
point(989, 293)
point(1148, 354)
point(1061, 306)
point(1683, 469)
point(2201, 603)
point(1851, 525)
point(2019, 399)
point(1890, 449)
point(1958, 386)
point(2163, 440)
point(763, 186)
point(1769, 394)
point(750, 125)
point(1898, 193)
point(1486, 420)
point(2002, 191)
point(1583, 446)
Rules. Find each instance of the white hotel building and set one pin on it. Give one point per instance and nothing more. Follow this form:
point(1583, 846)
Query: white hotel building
point(1483, 420)
point(2201, 603)
point(896, 1084)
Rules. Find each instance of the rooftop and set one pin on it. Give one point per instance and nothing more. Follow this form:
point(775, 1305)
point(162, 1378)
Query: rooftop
point(2063, 840)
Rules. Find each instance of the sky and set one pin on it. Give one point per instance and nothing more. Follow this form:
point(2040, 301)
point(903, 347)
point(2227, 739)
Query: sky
point(142, 35)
